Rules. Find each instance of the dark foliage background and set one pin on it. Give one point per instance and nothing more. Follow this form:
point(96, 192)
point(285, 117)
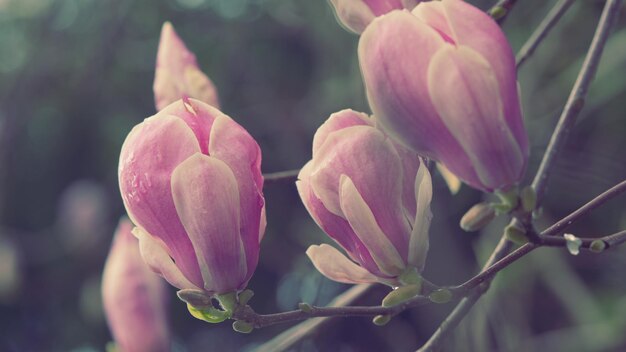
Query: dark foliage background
point(76, 75)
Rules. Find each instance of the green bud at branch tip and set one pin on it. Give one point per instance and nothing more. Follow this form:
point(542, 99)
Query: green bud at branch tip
point(228, 301)
point(245, 296)
point(410, 276)
point(242, 326)
point(440, 296)
point(497, 12)
point(305, 307)
point(516, 234)
point(477, 217)
point(381, 320)
point(597, 246)
point(528, 197)
point(401, 294)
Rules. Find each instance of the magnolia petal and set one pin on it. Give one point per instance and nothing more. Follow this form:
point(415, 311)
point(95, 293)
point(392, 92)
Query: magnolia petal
point(335, 226)
point(418, 244)
point(338, 121)
point(394, 53)
point(433, 14)
point(177, 74)
point(369, 158)
point(466, 93)
point(335, 266)
point(364, 224)
point(474, 28)
point(453, 182)
point(134, 298)
point(207, 200)
point(149, 155)
point(232, 144)
point(155, 255)
point(355, 15)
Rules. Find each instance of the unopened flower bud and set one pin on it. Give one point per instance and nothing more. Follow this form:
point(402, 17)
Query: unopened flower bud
point(479, 216)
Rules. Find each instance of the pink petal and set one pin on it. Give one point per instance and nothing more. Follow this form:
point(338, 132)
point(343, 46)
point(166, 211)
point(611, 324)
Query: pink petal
point(177, 74)
point(355, 15)
point(134, 298)
point(364, 224)
point(198, 116)
point(337, 121)
point(394, 53)
point(232, 144)
point(474, 28)
point(335, 266)
point(465, 92)
point(149, 155)
point(418, 245)
point(368, 157)
point(433, 14)
point(335, 226)
point(206, 195)
point(155, 255)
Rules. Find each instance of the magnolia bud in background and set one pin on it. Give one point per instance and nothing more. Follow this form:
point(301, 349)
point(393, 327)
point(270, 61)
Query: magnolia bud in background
point(442, 79)
point(477, 217)
point(135, 298)
point(191, 181)
point(372, 196)
point(177, 73)
point(355, 15)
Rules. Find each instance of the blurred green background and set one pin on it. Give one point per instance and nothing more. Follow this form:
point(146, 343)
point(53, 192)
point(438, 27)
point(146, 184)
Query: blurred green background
point(76, 75)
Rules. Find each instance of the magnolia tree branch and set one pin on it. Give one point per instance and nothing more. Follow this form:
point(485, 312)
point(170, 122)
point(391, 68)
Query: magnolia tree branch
point(542, 31)
point(571, 110)
point(291, 336)
point(471, 290)
point(281, 176)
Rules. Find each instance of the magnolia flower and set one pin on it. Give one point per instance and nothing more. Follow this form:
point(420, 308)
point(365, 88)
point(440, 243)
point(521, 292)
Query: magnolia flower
point(135, 299)
point(442, 80)
point(372, 196)
point(177, 73)
point(357, 14)
point(191, 181)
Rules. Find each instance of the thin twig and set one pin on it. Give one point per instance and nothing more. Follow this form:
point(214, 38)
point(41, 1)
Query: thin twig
point(576, 100)
point(542, 31)
point(559, 226)
point(566, 121)
point(281, 176)
point(291, 336)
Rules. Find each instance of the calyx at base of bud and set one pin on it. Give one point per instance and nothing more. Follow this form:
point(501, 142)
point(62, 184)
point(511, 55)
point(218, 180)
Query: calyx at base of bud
point(509, 200)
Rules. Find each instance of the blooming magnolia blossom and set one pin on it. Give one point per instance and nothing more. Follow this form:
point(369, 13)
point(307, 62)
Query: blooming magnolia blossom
point(135, 298)
point(191, 181)
point(177, 73)
point(442, 80)
point(357, 14)
point(372, 196)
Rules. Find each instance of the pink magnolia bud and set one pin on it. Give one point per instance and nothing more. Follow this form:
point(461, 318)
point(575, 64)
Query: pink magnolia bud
point(177, 74)
point(371, 196)
point(442, 80)
point(355, 15)
point(191, 181)
point(135, 299)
